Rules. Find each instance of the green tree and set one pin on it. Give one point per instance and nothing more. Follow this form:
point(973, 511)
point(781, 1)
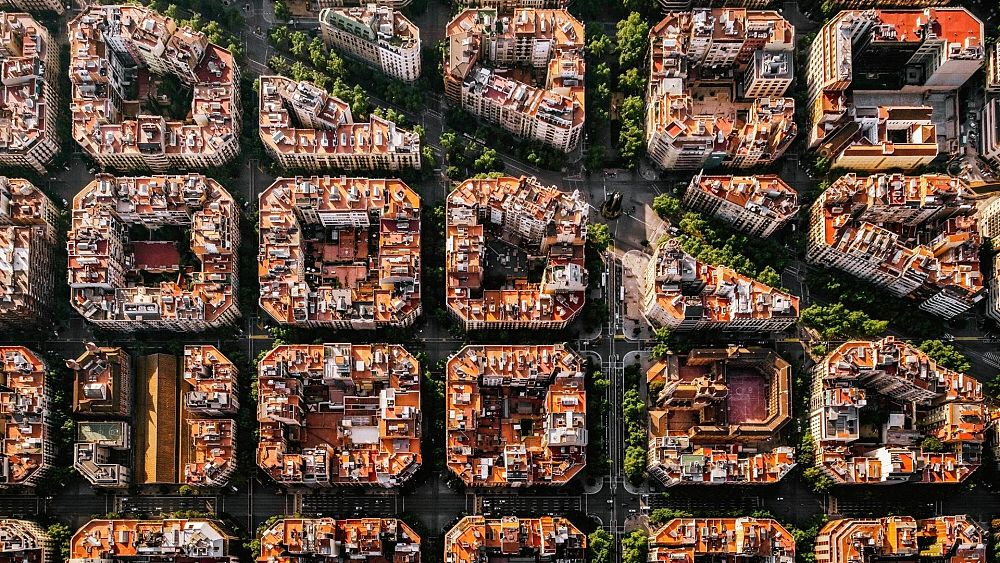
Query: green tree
point(281, 11)
point(488, 161)
point(946, 355)
point(661, 516)
point(932, 444)
point(599, 45)
point(632, 38)
point(60, 534)
point(666, 206)
point(818, 479)
point(599, 544)
point(599, 236)
point(768, 276)
point(835, 321)
point(631, 137)
point(632, 82)
point(635, 547)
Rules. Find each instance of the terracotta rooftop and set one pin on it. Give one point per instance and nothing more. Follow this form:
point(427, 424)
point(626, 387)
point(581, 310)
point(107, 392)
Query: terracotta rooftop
point(372, 540)
point(25, 453)
point(164, 540)
point(687, 540)
point(29, 73)
point(475, 538)
point(954, 539)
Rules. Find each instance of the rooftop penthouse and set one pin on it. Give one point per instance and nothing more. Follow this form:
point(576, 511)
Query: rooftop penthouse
point(124, 275)
point(953, 539)
point(716, 82)
point(687, 540)
point(174, 539)
point(681, 293)
point(517, 415)
point(548, 539)
point(758, 205)
point(378, 35)
point(915, 236)
point(716, 416)
point(864, 112)
point(340, 252)
point(339, 414)
point(23, 541)
point(372, 540)
point(25, 451)
point(484, 48)
point(921, 399)
point(527, 216)
point(27, 239)
point(302, 126)
point(211, 380)
point(116, 53)
point(29, 100)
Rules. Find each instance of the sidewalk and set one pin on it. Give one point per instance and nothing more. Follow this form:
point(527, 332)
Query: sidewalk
point(635, 327)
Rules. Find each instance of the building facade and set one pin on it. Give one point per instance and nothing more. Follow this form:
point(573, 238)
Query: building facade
point(756, 205)
point(28, 451)
point(27, 239)
point(378, 35)
point(303, 127)
point(325, 540)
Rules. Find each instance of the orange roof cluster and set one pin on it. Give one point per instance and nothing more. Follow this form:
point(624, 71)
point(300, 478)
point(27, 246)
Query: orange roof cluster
point(339, 414)
point(922, 397)
point(102, 381)
point(476, 538)
point(687, 540)
point(312, 277)
point(912, 234)
point(211, 452)
point(527, 213)
point(27, 239)
point(23, 541)
point(373, 540)
point(482, 42)
point(212, 379)
point(101, 36)
point(683, 293)
point(954, 539)
point(29, 70)
point(517, 415)
point(711, 404)
point(688, 127)
point(107, 270)
point(765, 195)
point(302, 126)
point(174, 539)
point(25, 454)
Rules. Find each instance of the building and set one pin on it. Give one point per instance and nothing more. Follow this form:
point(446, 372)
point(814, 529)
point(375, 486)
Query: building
point(303, 127)
point(29, 92)
point(863, 112)
point(316, 266)
point(716, 81)
point(510, 5)
point(993, 69)
point(715, 415)
point(27, 240)
point(548, 539)
point(56, 6)
point(954, 539)
point(989, 224)
point(211, 381)
point(378, 35)
point(23, 541)
point(26, 449)
point(914, 236)
point(681, 293)
point(116, 51)
point(102, 405)
point(173, 539)
point(728, 540)
point(372, 540)
point(317, 5)
point(517, 415)
point(122, 277)
point(482, 74)
point(756, 205)
point(526, 216)
point(914, 398)
point(339, 415)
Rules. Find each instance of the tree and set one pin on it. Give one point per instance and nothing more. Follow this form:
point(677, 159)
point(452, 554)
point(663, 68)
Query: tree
point(666, 206)
point(281, 11)
point(60, 534)
point(820, 481)
point(599, 544)
point(488, 161)
point(932, 444)
point(768, 276)
point(631, 138)
point(836, 321)
point(632, 35)
point(661, 516)
point(429, 161)
point(599, 236)
point(599, 45)
point(635, 547)
point(632, 82)
point(946, 355)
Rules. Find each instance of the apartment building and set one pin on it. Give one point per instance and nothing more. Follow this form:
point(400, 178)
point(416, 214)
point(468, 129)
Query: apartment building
point(990, 130)
point(716, 81)
point(714, 417)
point(122, 277)
point(541, 439)
point(757, 205)
point(372, 540)
point(166, 540)
point(510, 5)
point(303, 127)
point(915, 236)
point(377, 35)
point(26, 449)
point(682, 293)
point(527, 216)
point(29, 92)
point(989, 224)
point(548, 539)
point(869, 540)
point(102, 405)
point(24, 541)
point(116, 51)
point(56, 6)
point(211, 381)
point(27, 239)
point(728, 540)
point(339, 415)
point(319, 262)
point(317, 5)
point(485, 47)
point(864, 113)
point(921, 399)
